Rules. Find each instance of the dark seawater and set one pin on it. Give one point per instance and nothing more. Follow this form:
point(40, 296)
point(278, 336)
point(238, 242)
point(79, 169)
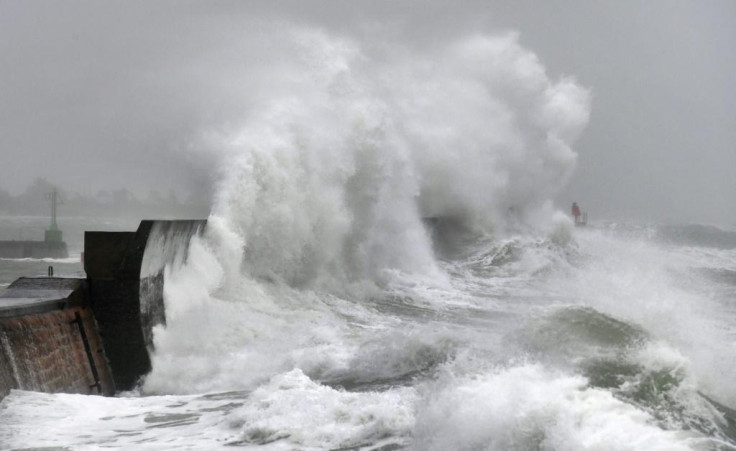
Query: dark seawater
point(616, 339)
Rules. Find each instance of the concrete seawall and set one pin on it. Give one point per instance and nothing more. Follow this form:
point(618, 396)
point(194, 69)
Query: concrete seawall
point(125, 272)
point(49, 340)
point(92, 335)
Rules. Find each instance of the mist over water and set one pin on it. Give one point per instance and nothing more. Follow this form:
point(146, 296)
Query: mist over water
point(383, 268)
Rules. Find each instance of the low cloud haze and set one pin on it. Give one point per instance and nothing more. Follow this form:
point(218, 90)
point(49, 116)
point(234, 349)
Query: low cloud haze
point(103, 96)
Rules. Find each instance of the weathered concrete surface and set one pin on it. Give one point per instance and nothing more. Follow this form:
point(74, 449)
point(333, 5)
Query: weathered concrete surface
point(33, 249)
point(92, 335)
point(125, 276)
point(49, 340)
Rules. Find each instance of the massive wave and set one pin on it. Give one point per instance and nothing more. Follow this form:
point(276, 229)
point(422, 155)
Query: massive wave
point(346, 148)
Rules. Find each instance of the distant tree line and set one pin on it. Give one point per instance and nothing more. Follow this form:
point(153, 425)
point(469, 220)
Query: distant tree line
point(34, 201)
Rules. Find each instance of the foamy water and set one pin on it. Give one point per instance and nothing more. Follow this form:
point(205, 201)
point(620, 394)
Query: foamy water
point(506, 354)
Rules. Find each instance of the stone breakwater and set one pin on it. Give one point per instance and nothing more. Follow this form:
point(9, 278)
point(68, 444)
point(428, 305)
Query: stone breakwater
point(49, 340)
point(92, 335)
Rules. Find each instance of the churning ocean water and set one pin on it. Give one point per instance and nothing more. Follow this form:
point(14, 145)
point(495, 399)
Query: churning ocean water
point(614, 337)
point(384, 269)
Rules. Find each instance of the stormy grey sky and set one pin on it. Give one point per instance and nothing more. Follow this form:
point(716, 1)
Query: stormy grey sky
point(98, 95)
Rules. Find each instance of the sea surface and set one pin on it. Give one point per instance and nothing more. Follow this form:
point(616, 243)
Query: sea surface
point(612, 337)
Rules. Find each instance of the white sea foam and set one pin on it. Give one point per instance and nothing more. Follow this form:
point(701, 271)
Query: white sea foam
point(655, 287)
point(323, 192)
point(529, 407)
point(306, 414)
point(287, 412)
point(328, 184)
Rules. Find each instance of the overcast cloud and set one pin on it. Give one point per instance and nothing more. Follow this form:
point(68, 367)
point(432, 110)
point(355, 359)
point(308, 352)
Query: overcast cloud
point(98, 95)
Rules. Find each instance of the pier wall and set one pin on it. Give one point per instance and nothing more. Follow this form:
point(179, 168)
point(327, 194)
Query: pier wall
point(93, 335)
point(125, 273)
point(49, 340)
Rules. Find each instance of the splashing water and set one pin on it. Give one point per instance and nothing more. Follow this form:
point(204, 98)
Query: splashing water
point(330, 182)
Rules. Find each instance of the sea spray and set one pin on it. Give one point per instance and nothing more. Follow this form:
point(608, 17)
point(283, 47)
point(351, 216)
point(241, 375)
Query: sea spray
point(379, 222)
point(328, 183)
point(530, 407)
point(659, 289)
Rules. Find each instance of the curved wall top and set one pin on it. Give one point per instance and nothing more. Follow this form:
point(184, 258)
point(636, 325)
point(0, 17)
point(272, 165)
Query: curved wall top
point(125, 272)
